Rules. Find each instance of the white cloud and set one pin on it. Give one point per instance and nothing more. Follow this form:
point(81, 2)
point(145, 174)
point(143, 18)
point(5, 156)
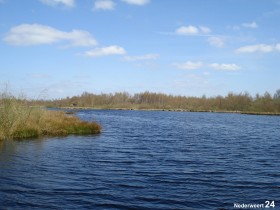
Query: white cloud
point(250, 25)
point(204, 29)
point(104, 5)
point(187, 30)
point(224, 67)
point(277, 47)
point(105, 51)
point(35, 34)
point(142, 57)
point(137, 2)
point(192, 30)
point(189, 65)
point(67, 3)
point(263, 48)
point(216, 41)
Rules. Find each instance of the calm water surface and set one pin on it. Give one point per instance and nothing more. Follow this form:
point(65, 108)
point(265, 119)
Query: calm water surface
point(147, 160)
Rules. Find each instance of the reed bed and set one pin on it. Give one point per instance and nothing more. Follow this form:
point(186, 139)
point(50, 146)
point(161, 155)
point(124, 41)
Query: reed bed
point(18, 121)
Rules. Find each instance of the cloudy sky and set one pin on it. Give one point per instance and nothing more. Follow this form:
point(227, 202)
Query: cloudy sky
point(59, 48)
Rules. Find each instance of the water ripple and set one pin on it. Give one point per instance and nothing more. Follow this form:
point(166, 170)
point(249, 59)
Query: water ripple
point(147, 160)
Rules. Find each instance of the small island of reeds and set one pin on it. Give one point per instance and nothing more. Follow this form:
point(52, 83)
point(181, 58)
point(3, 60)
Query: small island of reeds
point(18, 120)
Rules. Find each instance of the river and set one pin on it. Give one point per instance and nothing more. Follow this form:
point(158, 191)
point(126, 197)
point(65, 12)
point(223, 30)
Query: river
point(147, 160)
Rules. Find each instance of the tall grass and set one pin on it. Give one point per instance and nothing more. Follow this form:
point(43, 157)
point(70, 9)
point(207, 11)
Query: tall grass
point(18, 120)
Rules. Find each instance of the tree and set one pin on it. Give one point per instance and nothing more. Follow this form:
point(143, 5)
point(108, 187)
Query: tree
point(276, 98)
point(277, 95)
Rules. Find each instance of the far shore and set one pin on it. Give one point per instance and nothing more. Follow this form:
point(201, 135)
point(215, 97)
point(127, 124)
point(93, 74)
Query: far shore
point(173, 110)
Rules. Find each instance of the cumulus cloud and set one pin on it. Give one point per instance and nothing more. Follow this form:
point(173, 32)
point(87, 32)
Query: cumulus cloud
point(225, 67)
point(189, 65)
point(105, 51)
point(216, 41)
point(250, 25)
point(104, 5)
point(35, 34)
point(187, 30)
point(137, 2)
point(192, 30)
point(66, 3)
point(262, 48)
point(142, 57)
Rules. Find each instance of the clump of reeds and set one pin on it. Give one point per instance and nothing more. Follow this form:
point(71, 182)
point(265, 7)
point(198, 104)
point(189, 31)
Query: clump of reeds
point(18, 120)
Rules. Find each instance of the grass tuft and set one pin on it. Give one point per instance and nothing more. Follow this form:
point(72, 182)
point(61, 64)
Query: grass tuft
point(26, 133)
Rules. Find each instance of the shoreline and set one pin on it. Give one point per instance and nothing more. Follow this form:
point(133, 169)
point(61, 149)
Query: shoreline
point(174, 110)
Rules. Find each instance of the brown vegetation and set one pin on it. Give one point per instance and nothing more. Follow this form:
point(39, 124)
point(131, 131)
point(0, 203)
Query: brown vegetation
point(242, 102)
point(18, 120)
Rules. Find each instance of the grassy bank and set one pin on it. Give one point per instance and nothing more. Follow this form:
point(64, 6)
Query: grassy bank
point(18, 121)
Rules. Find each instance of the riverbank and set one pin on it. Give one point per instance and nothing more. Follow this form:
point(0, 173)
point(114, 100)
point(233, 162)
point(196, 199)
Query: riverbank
point(20, 121)
point(175, 110)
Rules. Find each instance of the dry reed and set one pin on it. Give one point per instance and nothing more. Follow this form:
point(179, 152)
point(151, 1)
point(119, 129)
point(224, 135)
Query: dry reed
point(18, 121)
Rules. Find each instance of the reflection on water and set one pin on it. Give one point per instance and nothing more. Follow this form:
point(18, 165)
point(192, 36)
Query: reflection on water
point(146, 160)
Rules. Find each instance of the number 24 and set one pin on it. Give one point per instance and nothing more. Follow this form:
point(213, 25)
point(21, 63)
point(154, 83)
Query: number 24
point(269, 204)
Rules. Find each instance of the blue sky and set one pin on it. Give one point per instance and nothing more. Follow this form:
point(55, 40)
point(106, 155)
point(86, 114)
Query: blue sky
point(59, 48)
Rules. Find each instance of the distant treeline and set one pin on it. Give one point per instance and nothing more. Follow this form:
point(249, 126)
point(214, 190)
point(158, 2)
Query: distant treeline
point(148, 100)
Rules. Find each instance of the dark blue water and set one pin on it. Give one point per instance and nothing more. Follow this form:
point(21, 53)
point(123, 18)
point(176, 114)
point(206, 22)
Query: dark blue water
point(147, 160)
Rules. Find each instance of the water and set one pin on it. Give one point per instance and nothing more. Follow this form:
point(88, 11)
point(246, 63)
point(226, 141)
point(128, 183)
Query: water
point(147, 160)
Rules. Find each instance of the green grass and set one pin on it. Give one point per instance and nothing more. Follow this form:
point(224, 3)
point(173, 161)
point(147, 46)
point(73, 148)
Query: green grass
point(19, 121)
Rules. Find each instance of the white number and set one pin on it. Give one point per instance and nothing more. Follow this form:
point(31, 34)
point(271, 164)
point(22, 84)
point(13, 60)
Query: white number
point(269, 204)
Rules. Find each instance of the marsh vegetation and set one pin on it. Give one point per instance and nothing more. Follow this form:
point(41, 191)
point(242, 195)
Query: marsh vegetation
point(19, 120)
